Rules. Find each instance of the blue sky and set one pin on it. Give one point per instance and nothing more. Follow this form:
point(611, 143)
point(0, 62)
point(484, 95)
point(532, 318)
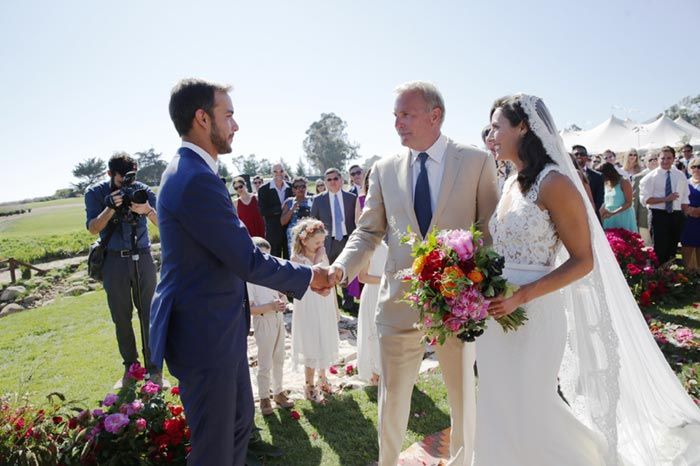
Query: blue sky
point(84, 79)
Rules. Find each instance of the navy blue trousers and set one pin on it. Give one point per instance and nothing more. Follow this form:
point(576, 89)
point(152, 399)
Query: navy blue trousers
point(219, 407)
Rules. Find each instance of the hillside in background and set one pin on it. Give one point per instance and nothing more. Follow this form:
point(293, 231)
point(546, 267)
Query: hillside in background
point(687, 108)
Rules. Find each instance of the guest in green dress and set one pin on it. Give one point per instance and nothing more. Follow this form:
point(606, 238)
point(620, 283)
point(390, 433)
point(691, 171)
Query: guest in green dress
point(617, 211)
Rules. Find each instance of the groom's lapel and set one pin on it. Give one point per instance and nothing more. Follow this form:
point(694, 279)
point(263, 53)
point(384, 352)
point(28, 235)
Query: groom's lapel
point(405, 182)
point(449, 177)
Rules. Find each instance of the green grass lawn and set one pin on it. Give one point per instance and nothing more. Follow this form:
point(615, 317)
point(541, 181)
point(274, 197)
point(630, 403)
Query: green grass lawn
point(52, 230)
point(69, 347)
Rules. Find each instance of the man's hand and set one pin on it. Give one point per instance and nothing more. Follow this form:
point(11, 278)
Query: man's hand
point(141, 209)
point(113, 200)
point(335, 274)
point(319, 282)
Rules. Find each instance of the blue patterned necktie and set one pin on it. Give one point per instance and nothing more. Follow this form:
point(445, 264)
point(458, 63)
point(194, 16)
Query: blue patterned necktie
point(338, 221)
point(669, 205)
point(421, 198)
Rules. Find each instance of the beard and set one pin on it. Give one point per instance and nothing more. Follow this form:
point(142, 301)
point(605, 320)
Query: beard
point(220, 143)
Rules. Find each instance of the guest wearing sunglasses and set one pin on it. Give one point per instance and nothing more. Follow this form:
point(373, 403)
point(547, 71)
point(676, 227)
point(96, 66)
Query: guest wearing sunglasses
point(355, 180)
point(336, 209)
point(247, 208)
point(295, 208)
point(257, 182)
point(690, 238)
point(320, 186)
point(631, 163)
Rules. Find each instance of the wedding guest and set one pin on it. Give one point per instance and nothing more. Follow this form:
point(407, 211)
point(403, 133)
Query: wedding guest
point(257, 182)
point(584, 179)
point(371, 275)
point(336, 209)
point(631, 163)
point(315, 338)
point(320, 186)
point(665, 192)
point(355, 179)
point(595, 179)
point(247, 208)
point(617, 212)
point(640, 210)
point(690, 237)
point(267, 307)
point(270, 198)
point(295, 208)
point(687, 156)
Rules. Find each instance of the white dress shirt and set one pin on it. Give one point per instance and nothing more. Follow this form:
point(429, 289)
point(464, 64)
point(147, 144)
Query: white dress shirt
point(654, 185)
point(281, 192)
point(435, 166)
point(213, 164)
point(339, 194)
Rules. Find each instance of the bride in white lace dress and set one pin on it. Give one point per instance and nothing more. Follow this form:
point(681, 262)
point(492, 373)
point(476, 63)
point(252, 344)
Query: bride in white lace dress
point(623, 403)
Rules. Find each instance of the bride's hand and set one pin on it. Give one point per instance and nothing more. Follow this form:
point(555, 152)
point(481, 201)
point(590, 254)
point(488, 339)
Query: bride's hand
point(501, 307)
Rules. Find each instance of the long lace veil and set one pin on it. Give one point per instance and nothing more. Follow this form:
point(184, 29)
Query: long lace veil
point(614, 376)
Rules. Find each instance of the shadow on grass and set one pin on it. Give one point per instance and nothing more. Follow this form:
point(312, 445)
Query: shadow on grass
point(289, 435)
point(426, 417)
point(346, 429)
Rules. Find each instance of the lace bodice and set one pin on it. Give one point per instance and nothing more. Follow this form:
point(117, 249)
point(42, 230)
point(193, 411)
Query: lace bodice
point(522, 232)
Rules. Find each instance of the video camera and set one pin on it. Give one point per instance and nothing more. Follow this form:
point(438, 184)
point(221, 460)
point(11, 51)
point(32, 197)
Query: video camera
point(130, 195)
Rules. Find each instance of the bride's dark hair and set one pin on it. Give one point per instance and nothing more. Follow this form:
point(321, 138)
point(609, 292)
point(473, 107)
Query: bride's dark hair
point(530, 150)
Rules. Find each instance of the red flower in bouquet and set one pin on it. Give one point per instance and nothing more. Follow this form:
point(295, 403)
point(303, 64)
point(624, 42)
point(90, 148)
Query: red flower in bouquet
point(433, 264)
point(175, 390)
point(333, 370)
point(137, 372)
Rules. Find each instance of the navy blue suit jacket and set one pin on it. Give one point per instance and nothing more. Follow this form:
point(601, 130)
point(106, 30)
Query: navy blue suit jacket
point(200, 315)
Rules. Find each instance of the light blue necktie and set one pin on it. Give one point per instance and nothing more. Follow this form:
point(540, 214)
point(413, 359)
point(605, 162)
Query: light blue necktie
point(338, 219)
point(669, 190)
point(421, 198)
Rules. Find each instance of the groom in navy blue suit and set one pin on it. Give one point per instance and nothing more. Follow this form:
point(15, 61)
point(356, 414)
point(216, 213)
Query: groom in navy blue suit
point(200, 315)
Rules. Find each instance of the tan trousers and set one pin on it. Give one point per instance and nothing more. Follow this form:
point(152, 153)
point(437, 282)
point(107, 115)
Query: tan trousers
point(401, 353)
point(269, 337)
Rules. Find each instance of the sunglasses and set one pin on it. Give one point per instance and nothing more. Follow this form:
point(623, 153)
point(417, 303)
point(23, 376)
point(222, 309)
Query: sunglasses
point(335, 178)
point(633, 155)
point(240, 186)
point(693, 167)
point(355, 173)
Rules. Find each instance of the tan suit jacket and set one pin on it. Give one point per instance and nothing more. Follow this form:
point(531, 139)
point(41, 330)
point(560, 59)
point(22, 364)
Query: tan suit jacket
point(468, 193)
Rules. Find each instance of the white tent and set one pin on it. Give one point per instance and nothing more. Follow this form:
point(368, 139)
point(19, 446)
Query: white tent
point(692, 130)
point(662, 132)
point(613, 134)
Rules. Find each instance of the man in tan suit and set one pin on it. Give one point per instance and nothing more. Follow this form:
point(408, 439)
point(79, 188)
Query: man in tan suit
point(437, 183)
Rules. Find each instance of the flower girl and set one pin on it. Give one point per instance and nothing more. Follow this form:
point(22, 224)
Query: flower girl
point(315, 336)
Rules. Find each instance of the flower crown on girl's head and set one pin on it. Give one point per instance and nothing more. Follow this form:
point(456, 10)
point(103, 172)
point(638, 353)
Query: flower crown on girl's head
point(308, 227)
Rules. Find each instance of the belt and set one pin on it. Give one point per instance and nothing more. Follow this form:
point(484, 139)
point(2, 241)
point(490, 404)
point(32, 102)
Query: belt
point(128, 252)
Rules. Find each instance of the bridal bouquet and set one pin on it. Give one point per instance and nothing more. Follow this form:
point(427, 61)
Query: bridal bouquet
point(451, 280)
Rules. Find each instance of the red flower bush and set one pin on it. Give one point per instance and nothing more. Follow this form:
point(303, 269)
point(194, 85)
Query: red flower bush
point(648, 282)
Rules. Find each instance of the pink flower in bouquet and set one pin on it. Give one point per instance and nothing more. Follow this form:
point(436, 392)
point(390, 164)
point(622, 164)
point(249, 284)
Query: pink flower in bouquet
point(333, 370)
point(140, 424)
point(453, 324)
point(110, 399)
point(470, 304)
point(137, 372)
point(349, 369)
point(461, 241)
point(684, 335)
point(633, 270)
point(97, 413)
point(150, 388)
point(115, 422)
point(428, 322)
point(132, 408)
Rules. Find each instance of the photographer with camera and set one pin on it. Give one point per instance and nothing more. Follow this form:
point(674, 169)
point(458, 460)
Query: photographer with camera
point(117, 209)
point(295, 208)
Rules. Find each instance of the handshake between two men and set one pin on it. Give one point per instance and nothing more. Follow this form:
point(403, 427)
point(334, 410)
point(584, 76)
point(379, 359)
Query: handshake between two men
point(325, 278)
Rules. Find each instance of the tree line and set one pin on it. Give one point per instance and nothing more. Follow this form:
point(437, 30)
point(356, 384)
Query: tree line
point(326, 145)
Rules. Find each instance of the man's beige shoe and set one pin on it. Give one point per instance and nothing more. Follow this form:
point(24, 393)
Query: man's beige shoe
point(282, 400)
point(266, 407)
